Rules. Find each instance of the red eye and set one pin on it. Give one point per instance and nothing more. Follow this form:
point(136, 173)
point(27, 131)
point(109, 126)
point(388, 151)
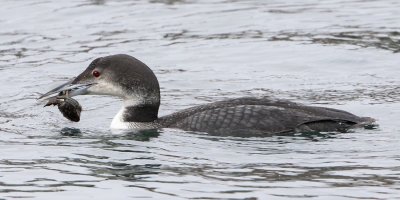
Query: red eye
point(96, 73)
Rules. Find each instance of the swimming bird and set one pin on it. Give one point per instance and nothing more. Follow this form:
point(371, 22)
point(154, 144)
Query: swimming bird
point(135, 83)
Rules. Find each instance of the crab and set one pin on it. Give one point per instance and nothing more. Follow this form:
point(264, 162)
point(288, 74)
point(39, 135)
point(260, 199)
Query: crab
point(69, 107)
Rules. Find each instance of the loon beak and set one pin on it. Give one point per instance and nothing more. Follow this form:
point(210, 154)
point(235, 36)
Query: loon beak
point(69, 89)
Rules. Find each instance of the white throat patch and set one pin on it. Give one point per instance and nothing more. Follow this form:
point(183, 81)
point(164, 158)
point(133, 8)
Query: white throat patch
point(118, 121)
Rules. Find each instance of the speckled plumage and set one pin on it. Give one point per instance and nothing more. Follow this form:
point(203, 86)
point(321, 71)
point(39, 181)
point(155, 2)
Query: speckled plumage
point(260, 116)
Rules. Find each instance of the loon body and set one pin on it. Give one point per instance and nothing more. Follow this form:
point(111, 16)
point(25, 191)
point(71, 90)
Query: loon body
point(130, 79)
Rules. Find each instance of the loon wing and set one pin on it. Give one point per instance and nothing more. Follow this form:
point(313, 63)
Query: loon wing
point(253, 116)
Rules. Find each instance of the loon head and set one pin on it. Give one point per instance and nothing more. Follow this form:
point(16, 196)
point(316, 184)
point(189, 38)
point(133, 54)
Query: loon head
point(121, 76)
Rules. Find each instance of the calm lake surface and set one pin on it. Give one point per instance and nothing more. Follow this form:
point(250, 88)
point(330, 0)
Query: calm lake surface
point(337, 53)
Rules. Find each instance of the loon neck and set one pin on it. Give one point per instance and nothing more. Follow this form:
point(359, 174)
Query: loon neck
point(140, 113)
point(138, 116)
point(140, 109)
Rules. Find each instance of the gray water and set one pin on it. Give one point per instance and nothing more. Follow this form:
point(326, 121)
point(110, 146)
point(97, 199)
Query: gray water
point(337, 53)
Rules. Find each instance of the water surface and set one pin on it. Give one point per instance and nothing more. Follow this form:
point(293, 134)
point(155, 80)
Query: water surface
point(340, 54)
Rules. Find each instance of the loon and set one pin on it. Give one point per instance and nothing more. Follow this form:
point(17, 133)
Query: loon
point(135, 83)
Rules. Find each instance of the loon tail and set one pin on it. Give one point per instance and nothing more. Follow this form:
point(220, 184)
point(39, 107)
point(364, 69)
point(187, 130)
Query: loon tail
point(367, 123)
